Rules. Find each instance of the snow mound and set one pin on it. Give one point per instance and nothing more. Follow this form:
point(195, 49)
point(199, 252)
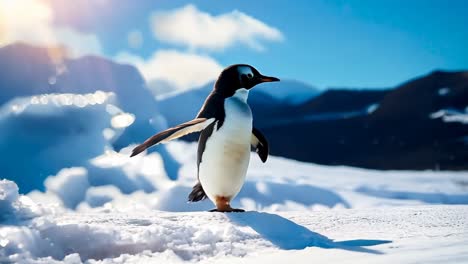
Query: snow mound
point(15, 207)
point(104, 179)
point(100, 195)
point(53, 131)
point(69, 185)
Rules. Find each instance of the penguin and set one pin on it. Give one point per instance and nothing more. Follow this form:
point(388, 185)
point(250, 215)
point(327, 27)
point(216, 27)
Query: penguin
point(227, 136)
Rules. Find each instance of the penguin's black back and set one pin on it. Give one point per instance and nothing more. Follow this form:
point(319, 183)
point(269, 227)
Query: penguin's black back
point(213, 107)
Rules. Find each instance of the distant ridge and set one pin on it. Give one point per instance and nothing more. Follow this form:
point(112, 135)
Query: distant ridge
point(420, 124)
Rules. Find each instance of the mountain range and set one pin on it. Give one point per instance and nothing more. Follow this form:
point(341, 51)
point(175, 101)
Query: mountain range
point(420, 124)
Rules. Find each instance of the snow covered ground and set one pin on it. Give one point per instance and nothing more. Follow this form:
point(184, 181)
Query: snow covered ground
point(417, 234)
point(298, 212)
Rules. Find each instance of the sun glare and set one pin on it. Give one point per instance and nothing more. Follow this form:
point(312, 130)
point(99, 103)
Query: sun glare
point(24, 20)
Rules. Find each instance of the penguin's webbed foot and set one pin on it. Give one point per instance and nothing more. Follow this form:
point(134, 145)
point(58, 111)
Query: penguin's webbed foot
point(223, 205)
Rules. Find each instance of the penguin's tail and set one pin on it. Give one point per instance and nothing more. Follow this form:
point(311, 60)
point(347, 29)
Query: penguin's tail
point(197, 193)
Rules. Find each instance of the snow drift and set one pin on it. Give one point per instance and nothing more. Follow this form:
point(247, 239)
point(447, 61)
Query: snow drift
point(398, 234)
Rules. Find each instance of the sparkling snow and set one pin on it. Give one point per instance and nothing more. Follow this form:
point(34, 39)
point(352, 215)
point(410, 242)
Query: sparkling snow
point(405, 234)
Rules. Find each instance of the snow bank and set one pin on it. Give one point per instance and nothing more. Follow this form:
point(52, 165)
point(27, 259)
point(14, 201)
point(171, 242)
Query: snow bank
point(69, 185)
point(106, 178)
point(15, 207)
point(43, 134)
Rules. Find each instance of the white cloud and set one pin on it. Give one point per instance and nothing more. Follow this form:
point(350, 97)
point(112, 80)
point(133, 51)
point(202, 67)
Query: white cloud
point(31, 21)
point(197, 29)
point(180, 70)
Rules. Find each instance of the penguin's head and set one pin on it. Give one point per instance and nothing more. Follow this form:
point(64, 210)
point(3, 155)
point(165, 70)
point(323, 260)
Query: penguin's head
point(240, 76)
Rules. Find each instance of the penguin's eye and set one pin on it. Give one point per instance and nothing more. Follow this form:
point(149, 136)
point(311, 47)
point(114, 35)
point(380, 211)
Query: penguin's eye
point(250, 75)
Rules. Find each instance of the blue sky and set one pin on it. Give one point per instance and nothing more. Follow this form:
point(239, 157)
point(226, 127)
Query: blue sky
point(360, 44)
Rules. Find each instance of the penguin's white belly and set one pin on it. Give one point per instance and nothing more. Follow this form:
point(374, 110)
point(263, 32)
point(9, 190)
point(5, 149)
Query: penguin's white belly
point(227, 152)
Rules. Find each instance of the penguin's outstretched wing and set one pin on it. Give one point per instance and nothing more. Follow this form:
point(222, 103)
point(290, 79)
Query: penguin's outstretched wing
point(260, 144)
point(194, 125)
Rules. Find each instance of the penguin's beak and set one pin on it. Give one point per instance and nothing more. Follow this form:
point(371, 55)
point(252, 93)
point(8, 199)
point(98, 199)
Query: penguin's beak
point(263, 79)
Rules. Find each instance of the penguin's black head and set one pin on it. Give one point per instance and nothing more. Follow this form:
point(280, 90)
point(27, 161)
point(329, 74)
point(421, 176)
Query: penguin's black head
point(240, 76)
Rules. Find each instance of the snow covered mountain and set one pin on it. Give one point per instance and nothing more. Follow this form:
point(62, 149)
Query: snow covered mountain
point(399, 130)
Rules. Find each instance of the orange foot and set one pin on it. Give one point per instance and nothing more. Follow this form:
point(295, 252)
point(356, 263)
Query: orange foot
point(223, 205)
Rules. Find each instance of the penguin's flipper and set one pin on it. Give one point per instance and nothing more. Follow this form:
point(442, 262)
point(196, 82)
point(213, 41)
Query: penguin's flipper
point(194, 125)
point(260, 144)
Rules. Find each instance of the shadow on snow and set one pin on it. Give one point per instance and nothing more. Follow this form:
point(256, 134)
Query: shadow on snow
point(288, 235)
